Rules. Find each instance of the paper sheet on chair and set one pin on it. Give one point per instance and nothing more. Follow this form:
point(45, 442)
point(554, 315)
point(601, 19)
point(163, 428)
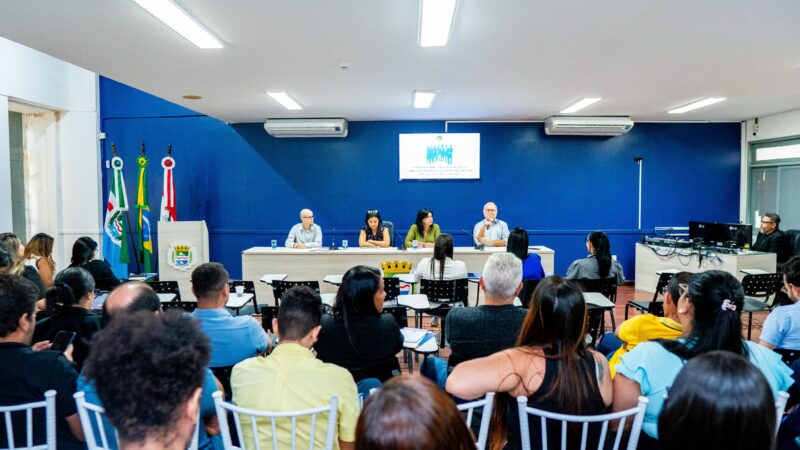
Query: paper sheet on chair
point(412, 336)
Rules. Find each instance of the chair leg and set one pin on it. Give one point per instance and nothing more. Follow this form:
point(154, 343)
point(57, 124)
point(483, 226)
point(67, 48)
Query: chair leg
point(749, 324)
point(627, 305)
point(441, 340)
point(613, 320)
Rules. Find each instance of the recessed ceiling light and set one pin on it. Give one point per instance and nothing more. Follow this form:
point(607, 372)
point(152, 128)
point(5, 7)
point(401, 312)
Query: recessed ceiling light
point(423, 99)
point(284, 99)
point(179, 20)
point(580, 104)
point(435, 21)
point(698, 104)
point(192, 97)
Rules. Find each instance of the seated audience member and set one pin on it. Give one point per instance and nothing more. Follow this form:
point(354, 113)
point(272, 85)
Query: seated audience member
point(233, 338)
point(5, 259)
point(69, 308)
point(782, 327)
point(599, 263)
point(441, 266)
point(709, 313)
point(136, 296)
point(771, 239)
point(718, 400)
point(647, 327)
point(490, 231)
point(16, 251)
point(477, 332)
point(26, 372)
point(357, 336)
point(550, 364)
point(292, 379)
point(531, 262)
point(373, 233)
point(305, 234)
point(149, 370)
point(39, 255)
point(409, 413)
point(84, 251)
point(424, 231)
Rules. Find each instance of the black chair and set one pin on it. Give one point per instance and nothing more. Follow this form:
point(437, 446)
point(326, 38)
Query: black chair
point(442, 294)
point(793, 236)
point(390, 228)
point(526, 294)
point(788, 355)
point(392, 288)
point(249, 288)
point(280, 287)
point(223, 374)
point(166, 287)
point(267, 314)
point(183, 306)
point(596, 316)
point(653, 306)
point(763, 286)
point(400, 314)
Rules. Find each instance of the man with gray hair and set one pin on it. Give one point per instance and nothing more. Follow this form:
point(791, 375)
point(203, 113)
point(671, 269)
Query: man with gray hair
point(305, 234)
point(489, 328)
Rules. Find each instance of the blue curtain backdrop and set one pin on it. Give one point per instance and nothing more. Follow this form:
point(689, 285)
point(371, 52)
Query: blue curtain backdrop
point(249, 187)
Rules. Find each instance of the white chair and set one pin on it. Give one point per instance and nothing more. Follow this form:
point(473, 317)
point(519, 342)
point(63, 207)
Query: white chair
point(49, 405)
point(94, 426)
point(780, 406)
point(637, 413)
point(224, 407)
point(486, 403)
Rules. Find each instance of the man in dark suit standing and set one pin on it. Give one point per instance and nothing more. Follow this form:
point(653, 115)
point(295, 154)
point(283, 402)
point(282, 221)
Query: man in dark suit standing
point(771, 239)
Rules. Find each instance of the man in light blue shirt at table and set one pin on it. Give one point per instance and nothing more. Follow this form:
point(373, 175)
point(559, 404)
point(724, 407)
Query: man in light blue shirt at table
point(233, 338)
point(305, 234)
point(782, 327)
point(491, 231)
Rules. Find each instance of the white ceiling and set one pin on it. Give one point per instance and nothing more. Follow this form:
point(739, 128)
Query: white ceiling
point(506, 59)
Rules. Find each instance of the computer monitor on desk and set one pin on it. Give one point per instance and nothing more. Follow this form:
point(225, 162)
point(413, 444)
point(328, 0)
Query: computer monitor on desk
point(722, 234)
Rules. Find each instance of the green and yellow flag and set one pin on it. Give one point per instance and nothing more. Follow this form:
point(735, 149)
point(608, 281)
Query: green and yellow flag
point(145, 239)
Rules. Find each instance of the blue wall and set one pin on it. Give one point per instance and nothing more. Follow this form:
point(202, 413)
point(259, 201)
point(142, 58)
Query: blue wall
point(250, 187)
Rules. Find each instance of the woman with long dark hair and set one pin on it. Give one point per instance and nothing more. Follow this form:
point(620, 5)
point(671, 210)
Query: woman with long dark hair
point(441, 266)
point(718, 400)
point(531, 262)
point(550, 364)
point(424, 231)
point(83, 253)
point(599, 263)
point(373, 233)
point(709, 310)
point(39, 255)
point(69, 308)
point(357, 336)
point(16, 251)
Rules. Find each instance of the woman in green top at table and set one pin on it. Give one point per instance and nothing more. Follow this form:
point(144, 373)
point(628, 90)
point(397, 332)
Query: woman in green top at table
point(424, 231)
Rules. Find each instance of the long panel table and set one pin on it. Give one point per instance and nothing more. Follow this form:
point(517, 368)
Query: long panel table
point(651, 259)
point(315, 264)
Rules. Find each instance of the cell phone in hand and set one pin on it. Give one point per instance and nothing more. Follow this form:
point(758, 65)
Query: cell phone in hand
point(62, 341)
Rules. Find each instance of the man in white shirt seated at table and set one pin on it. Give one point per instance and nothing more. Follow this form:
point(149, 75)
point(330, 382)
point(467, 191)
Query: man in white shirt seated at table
point(491, 231)
point(305, 234)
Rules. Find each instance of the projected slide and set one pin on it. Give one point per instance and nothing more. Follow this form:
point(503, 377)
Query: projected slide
point(440, 156)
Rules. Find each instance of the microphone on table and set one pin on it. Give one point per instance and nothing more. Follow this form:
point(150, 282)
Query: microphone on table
point(333, 240)
point(479, 245)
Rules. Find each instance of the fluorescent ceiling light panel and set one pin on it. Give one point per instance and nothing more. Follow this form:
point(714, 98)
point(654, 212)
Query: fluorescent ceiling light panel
point(580, 104)
point(423, 100)
point(179, 20)
point(435, 21)
point(698, 104)
point(284, 99)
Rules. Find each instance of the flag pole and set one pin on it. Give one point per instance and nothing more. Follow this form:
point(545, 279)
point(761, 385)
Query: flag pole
point(132, 240)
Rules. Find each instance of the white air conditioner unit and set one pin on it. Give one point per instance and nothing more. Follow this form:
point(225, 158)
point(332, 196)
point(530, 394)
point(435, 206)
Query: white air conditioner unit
point(306, 128)
point(587, 126)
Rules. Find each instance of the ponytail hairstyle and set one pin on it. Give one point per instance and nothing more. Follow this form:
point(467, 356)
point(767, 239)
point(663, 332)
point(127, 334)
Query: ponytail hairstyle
point(12, 244)
point(356, 296)
point(442, 249)
point(718, 299)
point(518, 243)
point(83, 251)
point(602, 252)
point(41, 244)
point(69, 287)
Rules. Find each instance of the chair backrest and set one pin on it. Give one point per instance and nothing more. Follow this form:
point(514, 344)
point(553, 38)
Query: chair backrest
point(223, 374)
point(794, 240)
point(486, 416)
point(606, 286)
point(400, 314)
point(788, 355)
point(166, 287)
point(446, 291)
point(184, 306)
point(663, 281)
point(267, 314)
point(392, 288)
point(780, 406)
point(526, 294)
point(98, 431)
point(280, 287)
point(249, 286)
point(636, 413)
point(762, 285)
point(290, 418)
point(390, 228)
point(15, 413)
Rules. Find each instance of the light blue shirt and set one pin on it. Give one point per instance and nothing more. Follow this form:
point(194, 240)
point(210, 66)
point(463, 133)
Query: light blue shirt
point(782, 327)
point(233, 338)
point(655, 368)
point(498, 231)
point(311, 237)
point(207, 409)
